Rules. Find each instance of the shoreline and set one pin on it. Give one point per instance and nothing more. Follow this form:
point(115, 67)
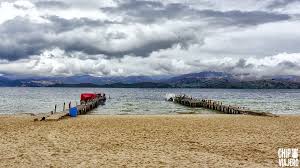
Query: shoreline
point(169, 114)
point(204, 140)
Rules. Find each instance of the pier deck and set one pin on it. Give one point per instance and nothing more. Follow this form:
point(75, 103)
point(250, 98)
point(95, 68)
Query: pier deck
point(82, 109)
point(217, 106)
point(57, 116)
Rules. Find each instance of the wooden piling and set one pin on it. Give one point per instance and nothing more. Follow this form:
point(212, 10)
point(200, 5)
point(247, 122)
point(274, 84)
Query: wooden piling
point(216, 105)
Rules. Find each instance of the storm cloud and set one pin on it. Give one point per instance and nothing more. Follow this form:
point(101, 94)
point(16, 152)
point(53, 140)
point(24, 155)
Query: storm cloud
point(141, 37)
point(281, 3)
point(51, 4)
point(149, 12)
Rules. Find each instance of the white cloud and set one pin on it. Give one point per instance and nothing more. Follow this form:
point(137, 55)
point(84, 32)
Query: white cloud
point(20, 8)
point(57, 62)
point(86, 37)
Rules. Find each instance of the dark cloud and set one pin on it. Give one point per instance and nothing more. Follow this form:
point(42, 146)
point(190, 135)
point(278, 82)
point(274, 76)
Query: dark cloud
point(146, 37)
point(145, 11)
point(280, 3)
point(20, 7)
point(141, 51)
point(23, 38)
point(59, 25)
point(289, 65)
point(51, 4)
point(242, 18)
point(149, 47)
point(242, 63)
point(148, 11)
point(117, 35)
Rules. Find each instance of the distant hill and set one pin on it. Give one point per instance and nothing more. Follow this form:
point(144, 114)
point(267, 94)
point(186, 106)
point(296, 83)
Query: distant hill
point(116, 85)
point(235, 84)
point(9, 83)
point(202, 79)
point(88, 79)
point(201, 75)
point(224, 80)
point(102, 80)
point(138, 85)
point(290, 78)
point(207, 79)
point(79, 85)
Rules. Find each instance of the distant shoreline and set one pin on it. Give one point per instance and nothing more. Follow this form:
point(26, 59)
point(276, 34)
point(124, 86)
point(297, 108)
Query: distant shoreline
point(120, 87)
point(30, 114)
point(139, 86)
point(209, 79)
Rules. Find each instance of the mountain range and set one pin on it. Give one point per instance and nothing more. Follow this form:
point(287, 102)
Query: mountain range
point(207, 79)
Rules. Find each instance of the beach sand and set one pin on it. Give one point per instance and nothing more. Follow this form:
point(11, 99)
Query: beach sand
point(147, 141)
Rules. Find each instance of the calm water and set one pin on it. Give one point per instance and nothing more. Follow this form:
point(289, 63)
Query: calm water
point(146, 101)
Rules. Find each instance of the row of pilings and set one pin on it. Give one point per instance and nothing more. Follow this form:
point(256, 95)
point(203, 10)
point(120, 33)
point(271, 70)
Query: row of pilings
point(215, 105)
point(85, 107)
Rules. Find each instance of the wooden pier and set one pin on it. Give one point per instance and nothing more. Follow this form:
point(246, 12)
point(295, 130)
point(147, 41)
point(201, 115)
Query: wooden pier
point(216, 105)
point(83, 108)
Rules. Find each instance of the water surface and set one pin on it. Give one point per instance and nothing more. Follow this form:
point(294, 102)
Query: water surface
point(145, 101)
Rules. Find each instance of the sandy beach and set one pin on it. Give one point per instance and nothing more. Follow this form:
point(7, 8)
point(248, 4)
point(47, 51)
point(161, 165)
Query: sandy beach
point(147, 141)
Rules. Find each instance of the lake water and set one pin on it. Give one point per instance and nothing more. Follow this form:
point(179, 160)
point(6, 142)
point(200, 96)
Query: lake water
point(145, 101)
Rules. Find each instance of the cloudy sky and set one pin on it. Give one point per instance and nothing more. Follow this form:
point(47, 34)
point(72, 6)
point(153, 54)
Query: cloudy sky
point(149, 37)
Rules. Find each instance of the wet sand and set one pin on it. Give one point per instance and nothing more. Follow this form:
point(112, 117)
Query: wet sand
point(147, 141)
